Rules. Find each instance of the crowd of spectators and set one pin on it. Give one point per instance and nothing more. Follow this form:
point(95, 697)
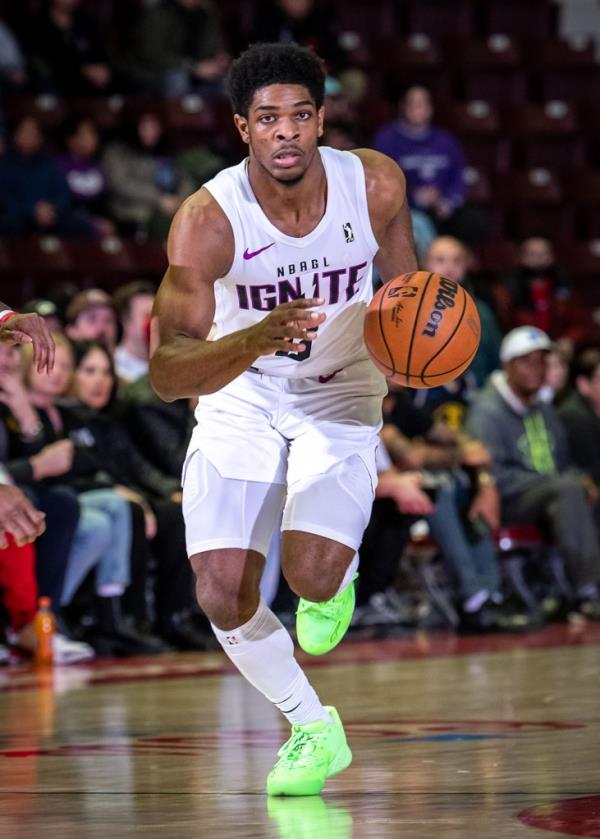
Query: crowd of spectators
point(514, 441)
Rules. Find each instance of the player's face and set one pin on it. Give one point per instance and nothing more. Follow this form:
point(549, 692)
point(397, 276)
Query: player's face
point(282, 130)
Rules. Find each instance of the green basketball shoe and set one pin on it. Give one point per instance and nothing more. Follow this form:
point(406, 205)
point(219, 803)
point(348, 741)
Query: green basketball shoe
point(321, 626)
point(313, 753)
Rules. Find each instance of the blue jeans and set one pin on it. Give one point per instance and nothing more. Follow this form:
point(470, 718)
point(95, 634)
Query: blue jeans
point(102, 540)
point(473, 564)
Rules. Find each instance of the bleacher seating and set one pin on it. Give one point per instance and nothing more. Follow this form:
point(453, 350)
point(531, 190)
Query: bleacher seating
point(522, 100)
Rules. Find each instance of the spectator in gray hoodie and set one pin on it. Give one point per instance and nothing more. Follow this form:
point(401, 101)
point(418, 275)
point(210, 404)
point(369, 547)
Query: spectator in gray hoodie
point(537, 481)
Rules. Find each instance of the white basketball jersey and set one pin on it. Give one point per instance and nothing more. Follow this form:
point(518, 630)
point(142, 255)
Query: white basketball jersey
point(334, 262)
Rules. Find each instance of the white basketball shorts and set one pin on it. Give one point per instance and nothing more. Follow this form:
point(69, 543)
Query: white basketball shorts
point(264, 445)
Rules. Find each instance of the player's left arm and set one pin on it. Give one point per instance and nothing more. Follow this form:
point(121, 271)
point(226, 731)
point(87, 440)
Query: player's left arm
point(389, 214)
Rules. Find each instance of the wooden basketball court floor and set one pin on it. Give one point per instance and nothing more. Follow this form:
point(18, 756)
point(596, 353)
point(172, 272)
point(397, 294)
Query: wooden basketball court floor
point(491, 737)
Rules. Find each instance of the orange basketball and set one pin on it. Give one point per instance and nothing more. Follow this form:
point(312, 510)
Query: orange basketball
point(422, 330)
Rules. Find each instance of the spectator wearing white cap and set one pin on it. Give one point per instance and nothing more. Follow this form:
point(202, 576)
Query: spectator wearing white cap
point(532, 464)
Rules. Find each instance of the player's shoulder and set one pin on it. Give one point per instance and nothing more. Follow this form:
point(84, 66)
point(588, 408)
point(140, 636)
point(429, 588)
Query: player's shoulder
point(200, 228)
point(385, 182)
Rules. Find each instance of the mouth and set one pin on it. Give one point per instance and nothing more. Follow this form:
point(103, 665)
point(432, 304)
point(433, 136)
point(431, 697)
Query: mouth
point(286, 158)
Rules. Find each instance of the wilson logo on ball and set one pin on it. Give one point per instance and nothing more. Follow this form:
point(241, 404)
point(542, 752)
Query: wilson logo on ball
point(444, 299)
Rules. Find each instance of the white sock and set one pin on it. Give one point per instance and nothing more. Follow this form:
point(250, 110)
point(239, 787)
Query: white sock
point(350, 572)
point(263, 652)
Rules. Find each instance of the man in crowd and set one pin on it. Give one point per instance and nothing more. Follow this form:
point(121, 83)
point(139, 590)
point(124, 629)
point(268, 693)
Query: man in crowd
point(531, 462)
point(133, 303)
point(580, 413)
point(91, 316)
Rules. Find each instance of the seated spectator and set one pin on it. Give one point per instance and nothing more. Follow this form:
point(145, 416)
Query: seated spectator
point(532, 466)
point(13, 73)
point(91, 316)
point(538, 293)
point(133, 303)
point(434, 163)
point(67, 50)
point(302, 22)
point(536, 285)
point(399, 499)
point(176, 48)
point(57, 502)
point(84, 172)
point(463, 519)
point(146, 184)
point(102, 541)
point(34, 196)
point(556, 381)
point(198, 164)
point(113, 460)
point(580, 413)
point(161, 430)
point(450, 258)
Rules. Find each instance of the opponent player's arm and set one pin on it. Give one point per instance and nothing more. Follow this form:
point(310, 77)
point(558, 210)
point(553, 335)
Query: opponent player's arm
point(183, 362)
point(389, 214)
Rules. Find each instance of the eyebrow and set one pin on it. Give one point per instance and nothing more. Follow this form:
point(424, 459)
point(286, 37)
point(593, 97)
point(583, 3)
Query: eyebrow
point(276, 107)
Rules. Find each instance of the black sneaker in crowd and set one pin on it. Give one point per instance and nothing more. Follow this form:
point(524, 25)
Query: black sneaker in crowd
point(491, 618)
point(180, 631)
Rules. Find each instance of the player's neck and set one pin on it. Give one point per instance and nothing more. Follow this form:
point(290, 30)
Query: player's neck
point(292, 208)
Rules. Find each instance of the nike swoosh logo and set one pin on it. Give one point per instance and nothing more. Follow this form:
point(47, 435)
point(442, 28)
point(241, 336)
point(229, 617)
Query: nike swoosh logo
point(251, 254)
point(324, 379)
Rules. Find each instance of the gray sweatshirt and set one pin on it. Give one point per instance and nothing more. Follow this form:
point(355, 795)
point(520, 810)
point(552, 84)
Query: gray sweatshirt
point(527, 442)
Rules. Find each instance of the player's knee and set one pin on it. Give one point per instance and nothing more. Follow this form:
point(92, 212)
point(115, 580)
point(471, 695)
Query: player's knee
point(312, 583)
point(227, 589)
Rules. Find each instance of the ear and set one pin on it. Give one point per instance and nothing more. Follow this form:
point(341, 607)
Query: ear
point(241, 123)
point(320, 120)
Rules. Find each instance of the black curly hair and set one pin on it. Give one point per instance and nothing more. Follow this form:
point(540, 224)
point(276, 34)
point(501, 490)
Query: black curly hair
point(264, 64)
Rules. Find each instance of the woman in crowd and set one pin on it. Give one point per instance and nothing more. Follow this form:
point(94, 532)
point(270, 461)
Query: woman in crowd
point(103, 536)
point(114, 460)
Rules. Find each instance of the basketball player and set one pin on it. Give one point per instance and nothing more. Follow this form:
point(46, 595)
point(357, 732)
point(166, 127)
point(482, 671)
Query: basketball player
point(277, 253)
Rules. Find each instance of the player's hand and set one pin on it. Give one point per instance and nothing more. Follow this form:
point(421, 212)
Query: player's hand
point(286, 325)
point(19, 517)
point(30, 329)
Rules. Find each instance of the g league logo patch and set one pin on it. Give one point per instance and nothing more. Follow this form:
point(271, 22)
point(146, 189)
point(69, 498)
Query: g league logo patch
point(348, 232)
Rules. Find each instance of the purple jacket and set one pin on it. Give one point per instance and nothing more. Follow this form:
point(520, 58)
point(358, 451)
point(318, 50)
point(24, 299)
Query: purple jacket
point(428, 157)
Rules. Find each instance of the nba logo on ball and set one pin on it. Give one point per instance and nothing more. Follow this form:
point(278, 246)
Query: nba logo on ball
point(422, 330)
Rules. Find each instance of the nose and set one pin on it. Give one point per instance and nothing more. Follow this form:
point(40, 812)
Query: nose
point(287, 129)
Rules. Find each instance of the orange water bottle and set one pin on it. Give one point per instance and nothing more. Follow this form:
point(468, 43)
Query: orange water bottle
point(44, 626)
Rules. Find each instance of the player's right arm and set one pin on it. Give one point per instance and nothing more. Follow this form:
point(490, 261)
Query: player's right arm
point(183, 362)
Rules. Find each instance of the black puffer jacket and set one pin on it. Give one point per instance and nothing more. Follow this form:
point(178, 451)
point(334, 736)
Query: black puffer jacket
point(105, 453)
point(161, 430)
